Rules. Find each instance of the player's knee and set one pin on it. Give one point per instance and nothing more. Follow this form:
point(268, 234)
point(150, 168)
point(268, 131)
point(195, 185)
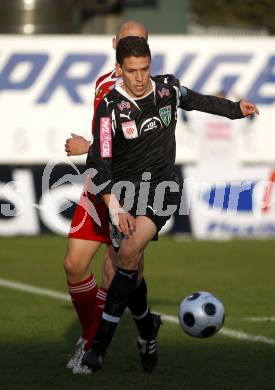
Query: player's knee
point(69, 265)
point(72, 266)
point(129, 257)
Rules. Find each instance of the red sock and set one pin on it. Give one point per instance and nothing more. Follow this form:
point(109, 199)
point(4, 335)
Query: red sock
point(83, 296)
point(99, 305)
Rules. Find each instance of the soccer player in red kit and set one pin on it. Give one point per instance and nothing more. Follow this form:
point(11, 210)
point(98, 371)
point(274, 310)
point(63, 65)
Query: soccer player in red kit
point(86, 236)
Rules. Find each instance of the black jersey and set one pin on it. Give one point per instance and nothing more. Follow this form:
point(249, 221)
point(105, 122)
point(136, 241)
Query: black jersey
point(133, 136)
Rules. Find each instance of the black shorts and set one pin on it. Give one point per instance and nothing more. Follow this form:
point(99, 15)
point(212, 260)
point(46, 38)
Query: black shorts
point(158, 206)
point(157, 211)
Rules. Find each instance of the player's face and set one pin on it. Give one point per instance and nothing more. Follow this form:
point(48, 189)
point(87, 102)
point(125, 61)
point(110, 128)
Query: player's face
point(136, 76)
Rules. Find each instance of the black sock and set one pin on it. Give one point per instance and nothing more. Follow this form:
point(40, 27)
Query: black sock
point(140, 311)
point(119, 293)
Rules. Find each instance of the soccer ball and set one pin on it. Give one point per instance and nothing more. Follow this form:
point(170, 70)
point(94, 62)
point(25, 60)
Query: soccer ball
point(201, 314)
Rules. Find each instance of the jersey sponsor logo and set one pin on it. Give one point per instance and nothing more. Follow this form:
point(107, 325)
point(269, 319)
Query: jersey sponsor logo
point(165, 114)
point(150, 124)
point(164, 92)
point(105, 137)
point(124, 105)
point(129, 129)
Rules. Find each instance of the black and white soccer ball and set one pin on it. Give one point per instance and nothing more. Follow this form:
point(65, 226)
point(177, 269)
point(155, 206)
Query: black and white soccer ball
point(201, 314)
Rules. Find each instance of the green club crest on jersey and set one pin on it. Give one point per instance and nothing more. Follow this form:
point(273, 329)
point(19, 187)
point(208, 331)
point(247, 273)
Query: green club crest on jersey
point(165, 114)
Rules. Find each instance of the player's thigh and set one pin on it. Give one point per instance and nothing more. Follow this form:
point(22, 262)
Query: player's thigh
point(132, 247)
point(80, 253)
point(144, 232)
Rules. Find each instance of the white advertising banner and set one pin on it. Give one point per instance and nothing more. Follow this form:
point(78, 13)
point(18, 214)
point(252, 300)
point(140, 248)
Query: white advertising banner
point(47, 85)
point(226, 203)
point(225, 198)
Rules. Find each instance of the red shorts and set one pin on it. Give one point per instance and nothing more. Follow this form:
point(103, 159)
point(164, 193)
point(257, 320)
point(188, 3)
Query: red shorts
point(90, 220)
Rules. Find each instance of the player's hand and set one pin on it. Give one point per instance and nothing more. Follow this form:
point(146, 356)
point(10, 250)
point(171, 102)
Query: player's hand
point(76, 145)
point(248, 108)
point(124, 222)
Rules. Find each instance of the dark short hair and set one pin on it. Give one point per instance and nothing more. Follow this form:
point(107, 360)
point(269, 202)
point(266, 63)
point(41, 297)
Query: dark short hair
point(132, 47)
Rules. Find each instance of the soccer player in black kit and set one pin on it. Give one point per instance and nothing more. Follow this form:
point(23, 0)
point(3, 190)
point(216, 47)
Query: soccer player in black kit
point(134, 143)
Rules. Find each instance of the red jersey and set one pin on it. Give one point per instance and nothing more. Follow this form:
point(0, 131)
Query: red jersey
point(104, 84)
point(83, 226)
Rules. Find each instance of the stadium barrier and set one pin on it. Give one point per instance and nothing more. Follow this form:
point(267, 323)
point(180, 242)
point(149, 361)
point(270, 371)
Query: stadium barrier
point(47, 85)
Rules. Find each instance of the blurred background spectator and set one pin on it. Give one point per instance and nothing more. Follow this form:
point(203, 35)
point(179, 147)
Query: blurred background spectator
point(164, 17)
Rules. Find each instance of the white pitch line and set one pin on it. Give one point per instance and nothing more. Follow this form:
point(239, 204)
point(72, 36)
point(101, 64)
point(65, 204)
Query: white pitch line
point(236, 334)
point(34, 290)
point(65, 297)
point(258, 319)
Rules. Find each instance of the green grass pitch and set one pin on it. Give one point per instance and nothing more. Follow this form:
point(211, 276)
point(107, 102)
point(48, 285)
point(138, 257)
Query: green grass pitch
point(37, 332)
